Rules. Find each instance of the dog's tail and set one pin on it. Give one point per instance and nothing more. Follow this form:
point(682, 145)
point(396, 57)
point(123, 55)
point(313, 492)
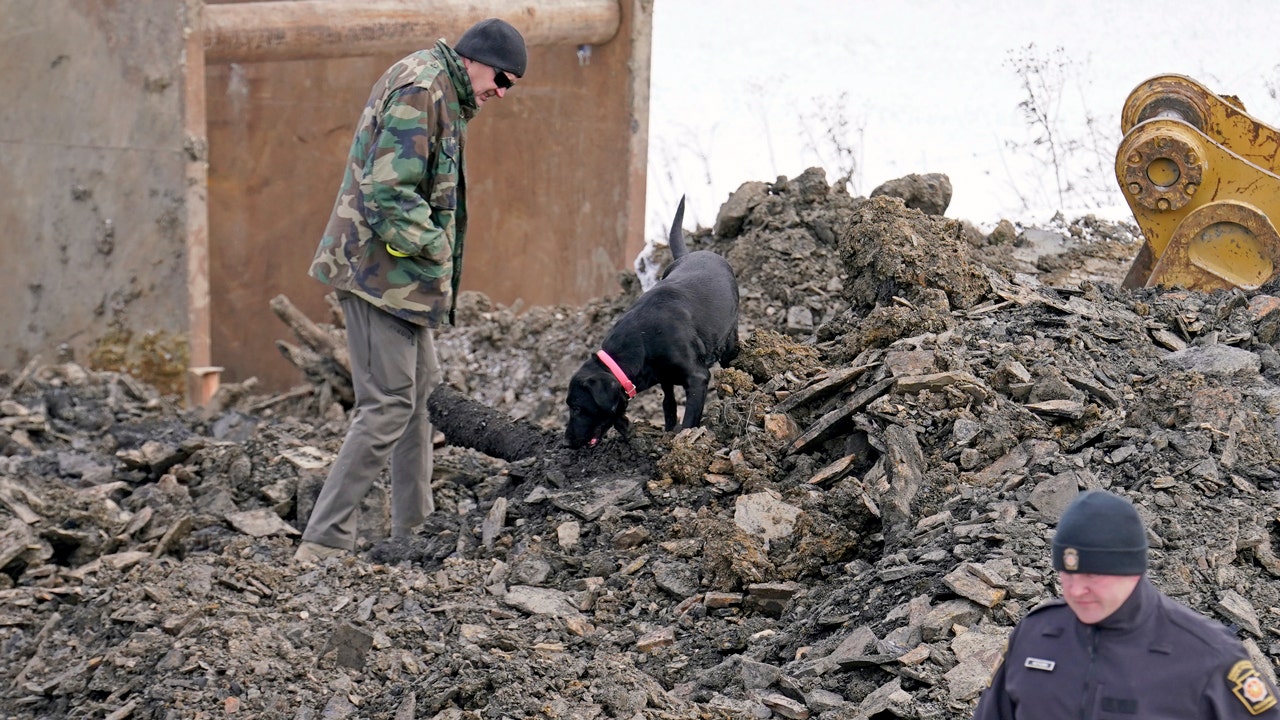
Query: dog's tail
point(676, 241)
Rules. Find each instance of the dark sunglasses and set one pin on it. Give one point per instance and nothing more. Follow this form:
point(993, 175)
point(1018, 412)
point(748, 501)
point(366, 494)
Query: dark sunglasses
point(501, 79)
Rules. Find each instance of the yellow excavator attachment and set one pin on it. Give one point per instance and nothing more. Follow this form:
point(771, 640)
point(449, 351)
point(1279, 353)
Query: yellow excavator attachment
point(1202, 178)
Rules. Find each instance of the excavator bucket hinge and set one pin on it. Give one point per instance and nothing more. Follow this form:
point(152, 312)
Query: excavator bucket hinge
point(1202, 178)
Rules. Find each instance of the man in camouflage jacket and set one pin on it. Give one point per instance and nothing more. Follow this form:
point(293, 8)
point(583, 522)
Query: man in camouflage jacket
point(393, 251)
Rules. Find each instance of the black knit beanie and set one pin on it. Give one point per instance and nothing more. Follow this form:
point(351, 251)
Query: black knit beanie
point(495, 43)
point(1100, 533)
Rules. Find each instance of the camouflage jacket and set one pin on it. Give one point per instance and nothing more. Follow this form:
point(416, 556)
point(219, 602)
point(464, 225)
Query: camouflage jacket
point(404, 188)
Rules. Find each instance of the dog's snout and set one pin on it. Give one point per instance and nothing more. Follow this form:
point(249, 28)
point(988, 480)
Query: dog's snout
point(574, 436)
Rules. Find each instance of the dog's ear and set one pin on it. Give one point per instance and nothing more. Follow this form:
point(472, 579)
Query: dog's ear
point(608, 396)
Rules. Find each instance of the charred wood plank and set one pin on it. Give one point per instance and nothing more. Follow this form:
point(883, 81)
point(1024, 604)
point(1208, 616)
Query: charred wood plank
point(828, 386)
point(319, 340)
point(467, 423)
point(320, 370)
point(16, 384)
point(828, 424)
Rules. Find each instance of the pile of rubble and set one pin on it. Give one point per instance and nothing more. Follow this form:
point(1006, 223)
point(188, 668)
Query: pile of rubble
point(853, 532)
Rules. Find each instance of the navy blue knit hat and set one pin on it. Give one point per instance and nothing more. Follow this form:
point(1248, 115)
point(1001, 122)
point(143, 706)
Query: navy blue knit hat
point(1100, 533)
point(495, 43)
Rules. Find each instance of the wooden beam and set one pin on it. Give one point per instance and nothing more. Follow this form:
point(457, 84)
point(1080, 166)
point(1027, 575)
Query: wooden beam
point(311, 29)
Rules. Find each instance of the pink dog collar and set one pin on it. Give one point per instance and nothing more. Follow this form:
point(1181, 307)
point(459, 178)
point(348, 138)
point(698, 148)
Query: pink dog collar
point(627, 386)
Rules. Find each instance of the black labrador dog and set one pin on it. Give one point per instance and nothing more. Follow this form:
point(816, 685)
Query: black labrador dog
point(671, 336)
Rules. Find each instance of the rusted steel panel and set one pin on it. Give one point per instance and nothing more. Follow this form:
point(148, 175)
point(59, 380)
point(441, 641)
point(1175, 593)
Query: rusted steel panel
point(556, 182)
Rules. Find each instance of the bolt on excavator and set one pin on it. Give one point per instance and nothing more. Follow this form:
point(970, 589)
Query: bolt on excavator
point(1202, 177)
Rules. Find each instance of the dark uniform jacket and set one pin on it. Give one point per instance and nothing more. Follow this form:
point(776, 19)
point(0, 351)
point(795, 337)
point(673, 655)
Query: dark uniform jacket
point(1152, 659)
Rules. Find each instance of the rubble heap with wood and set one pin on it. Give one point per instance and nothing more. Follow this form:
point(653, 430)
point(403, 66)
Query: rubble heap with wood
point(859, 523)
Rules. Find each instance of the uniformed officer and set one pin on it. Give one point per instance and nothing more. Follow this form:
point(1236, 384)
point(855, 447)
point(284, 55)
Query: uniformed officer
point(1114, 646)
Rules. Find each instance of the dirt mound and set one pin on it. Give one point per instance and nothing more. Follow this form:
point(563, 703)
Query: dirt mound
point(861, 520)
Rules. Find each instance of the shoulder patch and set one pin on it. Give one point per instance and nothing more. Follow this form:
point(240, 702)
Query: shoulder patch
point(1249, 688)
point(1004, 653)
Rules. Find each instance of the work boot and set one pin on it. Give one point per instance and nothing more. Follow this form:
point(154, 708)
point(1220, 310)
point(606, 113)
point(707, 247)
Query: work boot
point(309, 552)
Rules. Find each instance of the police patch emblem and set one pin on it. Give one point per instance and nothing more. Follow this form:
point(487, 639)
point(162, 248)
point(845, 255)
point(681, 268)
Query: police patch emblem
point(1070, 560)
point(1249, 688)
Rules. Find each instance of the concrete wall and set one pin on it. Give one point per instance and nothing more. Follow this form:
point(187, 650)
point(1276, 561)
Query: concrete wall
point(103, 143)
point(93, 194)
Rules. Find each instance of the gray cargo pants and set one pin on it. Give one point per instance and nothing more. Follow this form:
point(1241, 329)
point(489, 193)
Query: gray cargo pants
point(393, 370)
